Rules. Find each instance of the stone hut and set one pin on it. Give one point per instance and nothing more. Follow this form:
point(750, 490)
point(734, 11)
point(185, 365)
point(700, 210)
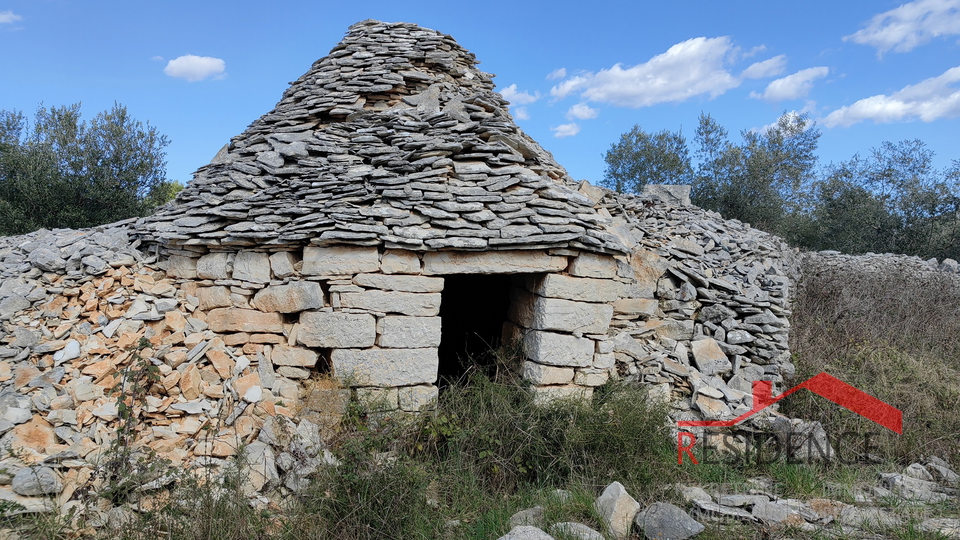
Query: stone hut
point(387, 217)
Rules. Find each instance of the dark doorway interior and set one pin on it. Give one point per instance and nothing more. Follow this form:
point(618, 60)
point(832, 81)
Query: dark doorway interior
point(473, 308)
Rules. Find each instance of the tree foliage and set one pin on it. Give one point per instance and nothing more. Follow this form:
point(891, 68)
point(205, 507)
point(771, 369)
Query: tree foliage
point(62, 171)
point(891, 200)
point(641, 158)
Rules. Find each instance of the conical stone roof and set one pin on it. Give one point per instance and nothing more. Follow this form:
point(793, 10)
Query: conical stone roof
point(394, 138)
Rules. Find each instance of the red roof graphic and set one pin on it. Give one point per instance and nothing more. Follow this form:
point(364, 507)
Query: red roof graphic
point(824, 385)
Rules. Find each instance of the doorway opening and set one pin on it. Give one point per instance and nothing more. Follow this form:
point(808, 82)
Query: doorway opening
point(473, 309)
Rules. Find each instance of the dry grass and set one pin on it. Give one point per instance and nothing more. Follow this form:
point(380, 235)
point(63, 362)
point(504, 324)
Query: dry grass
point(895, 335)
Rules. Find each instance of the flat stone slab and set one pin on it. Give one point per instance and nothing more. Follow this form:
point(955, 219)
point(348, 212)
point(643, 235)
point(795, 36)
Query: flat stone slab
point(491, 262)
point(385, 367)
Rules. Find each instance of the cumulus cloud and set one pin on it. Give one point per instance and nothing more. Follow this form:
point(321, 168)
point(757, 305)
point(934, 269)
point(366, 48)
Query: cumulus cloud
point(521, 113)
point(196, 68)
point(515, 97)
point(9, 17)
point(690, 68)
point(927, 100)
point(767, 68)
point(794, 86)
point(558, 73)
point(582, 111)
point(906, 27)
point(565, 130)
point(755, 51)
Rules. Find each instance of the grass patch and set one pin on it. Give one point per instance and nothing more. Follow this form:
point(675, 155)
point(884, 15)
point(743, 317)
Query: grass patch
point(893, 335)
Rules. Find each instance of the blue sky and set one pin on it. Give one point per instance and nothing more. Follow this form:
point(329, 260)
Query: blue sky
point(578, 74)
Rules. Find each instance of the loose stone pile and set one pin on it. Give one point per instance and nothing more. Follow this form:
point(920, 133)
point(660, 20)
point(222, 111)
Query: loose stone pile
point(760, 505)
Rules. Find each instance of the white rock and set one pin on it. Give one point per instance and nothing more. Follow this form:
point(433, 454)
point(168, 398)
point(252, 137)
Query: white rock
point(401, 332)
point(491, 262)
point(337, 330)
point(385, 367)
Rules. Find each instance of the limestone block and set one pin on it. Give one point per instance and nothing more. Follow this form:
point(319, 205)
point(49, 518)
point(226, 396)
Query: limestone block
point(292, 298)
point(558, 349)
point(284, 355)
point(339, 260)
point(591, 377)
point(331, 329)
point(491, 262)
point(244, 320)
point(252, 266)
point(378, 399)
point(541, 374)
point(617, 508)
point(399, 332)
point(415, 304)
point(179, 266)
point(545, 395)
point(281, 264)
point(385, 367)
point(215, 266)
point(417, 284)
point(575, 288)
point(670, 328)
point(709, 358)
point(395, 261)
point(636, 307)
point(647, 269)
point(415, 398)
point(571, 316)
point(593, 265)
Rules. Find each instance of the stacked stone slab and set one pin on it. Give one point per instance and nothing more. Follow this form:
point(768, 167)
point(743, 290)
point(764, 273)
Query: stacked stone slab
point(394, 139)
point(708, 310)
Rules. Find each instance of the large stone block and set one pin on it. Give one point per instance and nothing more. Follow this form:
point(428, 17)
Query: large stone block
point(282, 264)
point(284, 355)
point(575, 288)
point(385, 367)
point(491, 262)
point(339, 260)
point(592, 265)
point(399, 332)
point(396, 261)
point(541, 313)
point(297, 296)
point(415, 398)
point(541, 374)
point(252, 266)
point(178, 266)
point(418, 284)
point(558, 349)
point(329, 329)
point(214, 297)
point(244, 320)
point(647, 269)
point(215, 266)
point(709, 358)
point(415, 304)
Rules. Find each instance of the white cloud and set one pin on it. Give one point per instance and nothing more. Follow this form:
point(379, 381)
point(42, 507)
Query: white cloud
point(558, 73)
point(516, 97)
point(910, 25)
point(767, 68)
point(521, 113)
point(755, 51)
point(157, 58)
point(690, 68)
point(927, 100)
point(565, 130)
point(794, 86)
point(195, 68)
point(582, 111)
point(9, 17)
